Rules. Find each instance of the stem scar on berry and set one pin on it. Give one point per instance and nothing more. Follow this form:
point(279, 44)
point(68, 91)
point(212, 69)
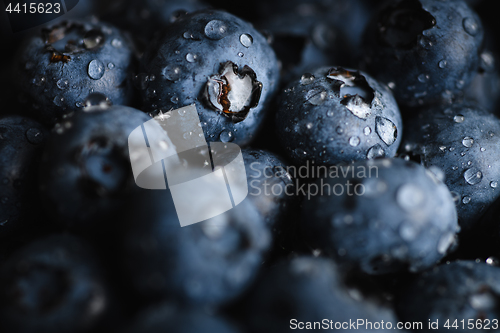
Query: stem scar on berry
point(233, 92)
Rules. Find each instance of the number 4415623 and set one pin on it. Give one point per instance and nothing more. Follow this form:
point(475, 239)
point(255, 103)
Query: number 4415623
point(39, 8)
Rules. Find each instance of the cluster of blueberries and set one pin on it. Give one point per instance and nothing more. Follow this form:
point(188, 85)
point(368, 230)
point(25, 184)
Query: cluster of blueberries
point(370, 136)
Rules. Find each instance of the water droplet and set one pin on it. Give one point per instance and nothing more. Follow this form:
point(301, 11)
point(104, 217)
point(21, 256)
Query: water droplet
point(468, 141)
point(330, 113)
point(111, 65)
point(246, 40)
point(309, 125)
point(93, 38)
point(470, 26)
point(391, 85)
point(375, 152)
point(494, 184)
point(443, 63)
point(59, 101)
point(116, 43)
point(241, 54)
point(95, 69)
point(444, 242)
point(174, 99)
point(171, 73)
point(40, 81)
point(187, 35)
point(466, 200)
point(459, 118)
point(306, 79)
point(316, 96)
point(493, 261)
point(215, 29)
point(367, 130)
point(190, 57)
point(34, 136)
point(410, 197)
point(354, 141)
point(423, 78)
point(226, 136)
point(63, 84)
point(339, 130)
point(473, 176)
point(386, 130)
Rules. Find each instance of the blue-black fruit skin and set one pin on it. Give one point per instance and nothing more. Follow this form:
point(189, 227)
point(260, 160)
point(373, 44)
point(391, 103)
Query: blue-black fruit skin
point(197, 264)
point(177, 319)
point(71, 196)
point(307, 289)
point(382, 230)
point(171, 49)
point(36, 76)
point(54, 284)
point(460, 290)
point(415, 70)
point(441, 137)
point(321, 133)
point(21, 143)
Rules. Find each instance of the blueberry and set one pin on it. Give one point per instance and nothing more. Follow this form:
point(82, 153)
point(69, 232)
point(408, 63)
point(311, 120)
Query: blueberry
point(174, 319)
point(335, 114)
point(210, 262)
point(58, 66)
point(462, 140)
point(460, 291)
point(218, 62)
point(425, 50)
point(53, 285)
point(21, 144)
point(307, 289)
point(85, 169)
point(382, 216)
point(145, 18)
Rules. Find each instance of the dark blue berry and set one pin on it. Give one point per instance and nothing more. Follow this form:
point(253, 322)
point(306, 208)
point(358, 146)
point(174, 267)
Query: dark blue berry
point(335, 114)
point(381, 216)
point(220, 63)
point(59, 65)
point(426, 50)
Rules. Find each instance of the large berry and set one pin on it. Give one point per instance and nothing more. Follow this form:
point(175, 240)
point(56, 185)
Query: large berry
point(426, 50)
point(220, 63)
point(335, 115)
point(59, 65)
point(381, 216)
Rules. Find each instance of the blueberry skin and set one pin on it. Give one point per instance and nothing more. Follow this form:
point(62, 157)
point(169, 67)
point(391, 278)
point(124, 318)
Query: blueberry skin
point(307, 289)
point(206, 263)
point(21, 143)
point(401, 217)
point(59, 65)
point(85, 172)
point(143, 19)
point(462, 140)
point(181, 62)
point(317, 120)
point(427, 49)
point(460, 290)
point(53, 285)
point(171, 318)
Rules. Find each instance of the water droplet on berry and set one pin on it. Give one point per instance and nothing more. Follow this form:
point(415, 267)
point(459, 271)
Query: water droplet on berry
point(473, 176)
point(494, 184)
point(423, 78)
point(468, 141)
point(111, 65)
point(59, 101)
point(470, 26)
point(306, 79)
point(339, 130)
point(246, 40)
point(171, 73)
point(459, 118)
point(316, 96)
point(226, 136)
point(367, 130)
point(95, 69)
point(116, 43)
point(241, 54)
point(190, 57)
point(443, 63)
point(93, 38)
point(375, 151)
point(63, 84)
point(386, 130)
point(215, 29)
point(34, 136)
point(354, 141)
